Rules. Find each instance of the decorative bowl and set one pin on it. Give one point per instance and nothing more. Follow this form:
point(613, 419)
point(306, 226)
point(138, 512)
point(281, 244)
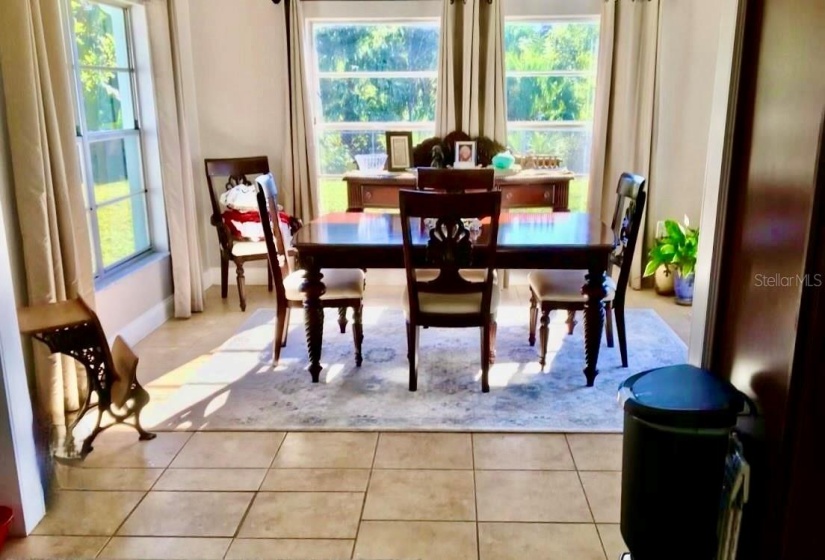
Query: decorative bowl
point(371, 162)
point(503, 160)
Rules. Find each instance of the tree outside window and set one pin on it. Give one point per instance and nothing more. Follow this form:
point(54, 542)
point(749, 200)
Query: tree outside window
point(550, 68)
point(108, 129)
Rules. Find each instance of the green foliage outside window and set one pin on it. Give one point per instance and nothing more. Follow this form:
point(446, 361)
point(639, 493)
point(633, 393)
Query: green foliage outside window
point(96, 50)
point(388, 76)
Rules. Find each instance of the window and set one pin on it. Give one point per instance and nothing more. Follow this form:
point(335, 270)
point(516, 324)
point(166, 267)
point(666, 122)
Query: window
point(550, 67)
point(109, 136)
point(370, 77)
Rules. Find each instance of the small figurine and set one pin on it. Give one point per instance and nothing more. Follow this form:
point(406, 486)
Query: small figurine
point(438, 157)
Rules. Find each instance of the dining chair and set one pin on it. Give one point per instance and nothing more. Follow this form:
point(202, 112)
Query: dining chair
point(450, 300)
point(235, 171)
point(435, 179)
point(454, 180)
point(561, 289)
point(344, 287)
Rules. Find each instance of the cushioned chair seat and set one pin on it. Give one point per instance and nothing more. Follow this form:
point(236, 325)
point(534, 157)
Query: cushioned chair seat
point(451, 304)
point(248, 248)
point(341, 283)
point(563, 285)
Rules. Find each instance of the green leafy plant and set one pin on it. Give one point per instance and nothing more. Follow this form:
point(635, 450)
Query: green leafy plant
point(676, 250)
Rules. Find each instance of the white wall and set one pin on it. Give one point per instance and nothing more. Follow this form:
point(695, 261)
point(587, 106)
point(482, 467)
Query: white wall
point(721, 128)
point(20, 485)
point(136, 304)
point(688, 46)
point(238, 55)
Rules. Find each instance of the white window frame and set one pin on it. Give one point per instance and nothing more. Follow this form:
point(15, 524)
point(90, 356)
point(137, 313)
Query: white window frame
point(584, 126)
point(422, 12)
point(320, 127)
point(85, 138)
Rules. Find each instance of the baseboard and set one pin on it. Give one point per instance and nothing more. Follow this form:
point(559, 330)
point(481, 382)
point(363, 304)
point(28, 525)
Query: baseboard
point(148, 322)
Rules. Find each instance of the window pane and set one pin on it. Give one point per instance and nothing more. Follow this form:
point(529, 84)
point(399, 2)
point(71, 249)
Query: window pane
point(123, 229)
point(376, 47)
point(377, 99)
point(550, 98)
point(107, 100)
point(338, 148)
point(404, 55)
point(100, 32)
point(116, 168)
point(572, 146)
point(333, 195)
point(543, 46)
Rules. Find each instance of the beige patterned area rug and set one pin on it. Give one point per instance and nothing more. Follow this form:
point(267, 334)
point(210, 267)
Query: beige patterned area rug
point(239, 389)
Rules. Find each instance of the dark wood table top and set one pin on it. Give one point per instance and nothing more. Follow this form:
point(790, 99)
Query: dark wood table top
point(526, 240)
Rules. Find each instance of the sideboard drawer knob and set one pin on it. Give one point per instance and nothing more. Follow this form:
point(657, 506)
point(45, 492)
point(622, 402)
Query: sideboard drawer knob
point(547, 195)
point(368, 195)
point(508, 196)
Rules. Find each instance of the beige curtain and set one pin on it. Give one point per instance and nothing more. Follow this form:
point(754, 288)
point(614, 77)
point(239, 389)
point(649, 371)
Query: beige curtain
point(47, 184)
point(300, 179)
point(471, 70)
point(176, 165)
point(623, 128)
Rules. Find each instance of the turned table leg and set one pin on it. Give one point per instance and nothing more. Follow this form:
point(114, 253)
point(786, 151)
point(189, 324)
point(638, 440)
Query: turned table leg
point(313, 288)
point(594, 292)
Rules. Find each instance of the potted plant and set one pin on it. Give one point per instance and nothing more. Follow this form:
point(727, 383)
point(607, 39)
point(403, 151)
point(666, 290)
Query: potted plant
point(676, 250)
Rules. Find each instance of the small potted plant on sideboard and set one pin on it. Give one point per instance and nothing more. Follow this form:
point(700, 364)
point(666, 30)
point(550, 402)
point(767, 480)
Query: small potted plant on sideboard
point(676, 249)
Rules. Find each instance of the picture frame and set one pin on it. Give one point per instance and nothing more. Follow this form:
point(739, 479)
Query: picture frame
point(465, 154)
point(399, 150)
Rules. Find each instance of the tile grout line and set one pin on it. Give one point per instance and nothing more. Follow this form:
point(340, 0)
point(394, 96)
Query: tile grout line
point(140, 501)
point(255, 495)
point(475, 494)
point(586, 498)
point(364, 502)
point(145, 494)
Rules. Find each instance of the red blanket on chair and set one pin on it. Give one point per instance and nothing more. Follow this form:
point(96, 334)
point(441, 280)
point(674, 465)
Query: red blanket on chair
point(246, 226)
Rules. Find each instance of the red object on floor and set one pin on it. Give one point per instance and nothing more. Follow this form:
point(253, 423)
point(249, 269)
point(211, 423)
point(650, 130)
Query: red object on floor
point(6, 516)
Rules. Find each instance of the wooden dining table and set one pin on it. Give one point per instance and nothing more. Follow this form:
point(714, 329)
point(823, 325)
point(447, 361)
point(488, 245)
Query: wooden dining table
point(528, 241)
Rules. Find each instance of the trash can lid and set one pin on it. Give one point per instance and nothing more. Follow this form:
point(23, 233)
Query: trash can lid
point(682, 396)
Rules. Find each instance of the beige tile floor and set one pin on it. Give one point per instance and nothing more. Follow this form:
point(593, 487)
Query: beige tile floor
point(327, 496)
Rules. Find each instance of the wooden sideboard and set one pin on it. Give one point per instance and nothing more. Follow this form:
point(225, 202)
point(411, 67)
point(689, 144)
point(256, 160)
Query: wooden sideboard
point(532, 188)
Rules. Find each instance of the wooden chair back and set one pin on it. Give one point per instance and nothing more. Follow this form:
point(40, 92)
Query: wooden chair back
point(451, 245)
point(455, 180)
point(275, 249)
point(236, 171)
point(627, 221)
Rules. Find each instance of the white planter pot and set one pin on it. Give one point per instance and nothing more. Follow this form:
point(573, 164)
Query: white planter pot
point(664, 280)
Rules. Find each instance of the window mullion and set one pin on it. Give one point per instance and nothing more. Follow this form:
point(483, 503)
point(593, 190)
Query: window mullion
point(128, 69)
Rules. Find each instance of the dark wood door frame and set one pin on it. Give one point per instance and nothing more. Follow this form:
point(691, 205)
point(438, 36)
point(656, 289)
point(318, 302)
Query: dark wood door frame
point(786, 450)
point(802, 490)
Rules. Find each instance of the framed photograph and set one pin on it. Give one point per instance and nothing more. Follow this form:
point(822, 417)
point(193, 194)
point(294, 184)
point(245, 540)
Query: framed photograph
point(399, 150)
point(465, 154)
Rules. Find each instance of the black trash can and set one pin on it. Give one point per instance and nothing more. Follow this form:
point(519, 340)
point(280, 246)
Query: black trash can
point(677, 424)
